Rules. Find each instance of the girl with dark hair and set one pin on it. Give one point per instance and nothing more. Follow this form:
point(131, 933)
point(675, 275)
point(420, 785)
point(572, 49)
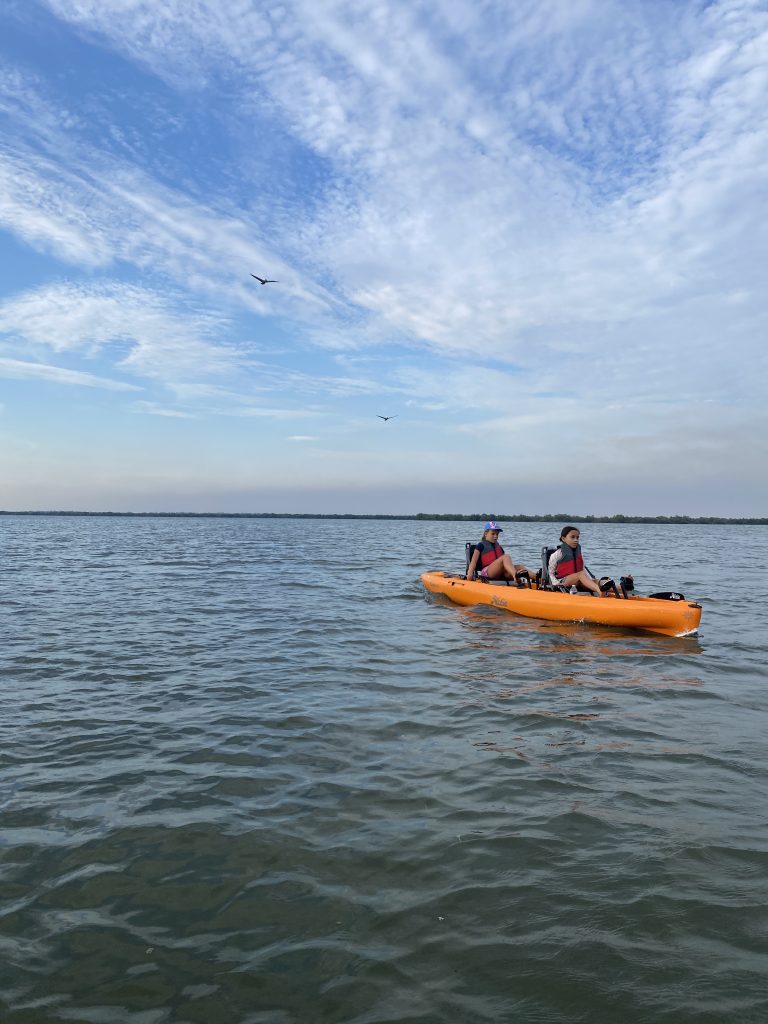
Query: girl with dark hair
point(566, 563)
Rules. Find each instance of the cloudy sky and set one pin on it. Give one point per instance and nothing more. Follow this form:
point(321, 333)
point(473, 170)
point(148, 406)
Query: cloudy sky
point(533, 232)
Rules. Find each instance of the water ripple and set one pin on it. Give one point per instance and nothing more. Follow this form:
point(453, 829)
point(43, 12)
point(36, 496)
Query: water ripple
point(236, 795)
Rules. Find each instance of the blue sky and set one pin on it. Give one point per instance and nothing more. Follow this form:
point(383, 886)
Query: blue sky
point(533, 232)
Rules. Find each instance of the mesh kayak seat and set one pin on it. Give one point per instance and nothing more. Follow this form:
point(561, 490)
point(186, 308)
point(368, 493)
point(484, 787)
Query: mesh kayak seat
point(546, 582)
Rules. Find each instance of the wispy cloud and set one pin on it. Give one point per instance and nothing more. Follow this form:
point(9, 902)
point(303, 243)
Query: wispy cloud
point(165, 339)
point(152, 338)
point(153, 409)
point(516, 221)
point(21, 370)
point(63, 194)
point(466, 222)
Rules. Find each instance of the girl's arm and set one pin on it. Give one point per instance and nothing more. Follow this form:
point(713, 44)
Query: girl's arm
point(554, 558)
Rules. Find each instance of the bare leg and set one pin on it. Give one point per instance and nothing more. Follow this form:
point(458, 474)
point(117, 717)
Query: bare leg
point(584, 579)
point(504, 567)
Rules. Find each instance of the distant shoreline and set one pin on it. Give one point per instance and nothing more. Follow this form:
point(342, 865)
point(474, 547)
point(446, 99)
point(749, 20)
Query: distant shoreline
point(418, 517)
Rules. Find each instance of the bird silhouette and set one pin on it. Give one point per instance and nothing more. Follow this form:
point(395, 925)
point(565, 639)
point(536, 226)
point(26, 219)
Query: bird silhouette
point(385, 418)
point(264, 280)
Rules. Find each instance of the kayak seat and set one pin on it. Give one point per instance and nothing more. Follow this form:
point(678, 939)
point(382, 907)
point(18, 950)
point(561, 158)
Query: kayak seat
point(546, 554)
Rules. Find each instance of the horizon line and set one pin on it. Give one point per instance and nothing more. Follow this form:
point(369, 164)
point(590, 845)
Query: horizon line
point(519, 517)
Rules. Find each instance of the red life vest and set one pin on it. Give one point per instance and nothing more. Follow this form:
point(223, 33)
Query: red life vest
point(570, 562)
point(489, 555)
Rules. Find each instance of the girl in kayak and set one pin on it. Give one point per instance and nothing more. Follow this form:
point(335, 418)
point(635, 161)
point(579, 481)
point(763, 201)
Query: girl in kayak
point(489, 559)
point(566, 564)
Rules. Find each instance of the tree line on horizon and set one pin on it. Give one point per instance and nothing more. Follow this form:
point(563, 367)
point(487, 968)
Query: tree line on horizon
point(448, 517)
point(619, 517)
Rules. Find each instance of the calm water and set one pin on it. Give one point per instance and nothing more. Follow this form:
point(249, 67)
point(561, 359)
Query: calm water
point(252, 774)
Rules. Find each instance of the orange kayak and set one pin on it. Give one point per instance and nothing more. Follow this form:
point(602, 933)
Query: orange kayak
point(653, 614)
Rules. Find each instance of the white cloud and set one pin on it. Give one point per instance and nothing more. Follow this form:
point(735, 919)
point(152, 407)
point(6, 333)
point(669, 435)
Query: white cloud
point(44, 216)
point(556, 200)
point(21, 370)
point(467, 221)
point(153, 409)
point(153, 339)
point(63, 195)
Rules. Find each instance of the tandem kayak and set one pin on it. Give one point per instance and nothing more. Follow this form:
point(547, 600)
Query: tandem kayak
point(653, 614)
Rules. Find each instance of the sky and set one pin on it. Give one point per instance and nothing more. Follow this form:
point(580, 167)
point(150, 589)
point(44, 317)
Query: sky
point(534, 233)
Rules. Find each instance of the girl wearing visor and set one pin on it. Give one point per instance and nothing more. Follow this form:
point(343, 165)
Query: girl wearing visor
point(489, 559)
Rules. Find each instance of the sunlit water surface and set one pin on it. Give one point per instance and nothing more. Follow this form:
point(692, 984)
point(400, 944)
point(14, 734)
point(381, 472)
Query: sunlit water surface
point(253, 774)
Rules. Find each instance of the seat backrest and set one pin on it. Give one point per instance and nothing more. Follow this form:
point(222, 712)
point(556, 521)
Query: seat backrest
point(469, 550)
point(546, 554)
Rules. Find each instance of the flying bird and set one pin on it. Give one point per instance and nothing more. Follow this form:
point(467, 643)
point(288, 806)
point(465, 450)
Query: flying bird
point(264, 280)
point(385, 418)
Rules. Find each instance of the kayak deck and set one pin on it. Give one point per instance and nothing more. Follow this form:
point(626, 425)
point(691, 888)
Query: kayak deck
point(671, 618)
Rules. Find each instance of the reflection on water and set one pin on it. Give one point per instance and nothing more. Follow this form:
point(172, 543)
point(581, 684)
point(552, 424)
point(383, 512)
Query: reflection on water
point(235, 796)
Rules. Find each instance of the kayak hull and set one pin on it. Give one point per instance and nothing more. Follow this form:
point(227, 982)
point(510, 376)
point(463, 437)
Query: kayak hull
point(670, 618)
